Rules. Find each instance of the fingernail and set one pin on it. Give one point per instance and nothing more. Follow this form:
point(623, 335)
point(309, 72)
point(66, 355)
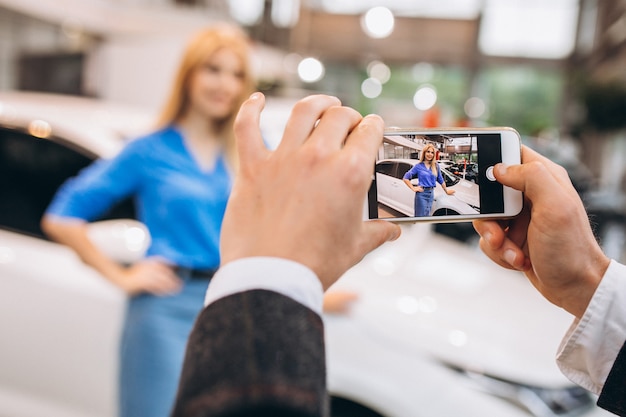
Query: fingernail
point(396, 233)
point(501, 168)
point(487, 236)
point(509, 257)
point(255, 96)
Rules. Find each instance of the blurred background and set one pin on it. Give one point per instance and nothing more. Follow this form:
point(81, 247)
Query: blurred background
point(552, 70)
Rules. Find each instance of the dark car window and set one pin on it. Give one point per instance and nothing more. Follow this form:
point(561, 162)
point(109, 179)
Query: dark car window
point(31, 170)
point(386, 168)
point(402, 169)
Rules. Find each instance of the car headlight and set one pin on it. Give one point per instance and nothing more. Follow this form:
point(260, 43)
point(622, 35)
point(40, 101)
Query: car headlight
point(566, 401)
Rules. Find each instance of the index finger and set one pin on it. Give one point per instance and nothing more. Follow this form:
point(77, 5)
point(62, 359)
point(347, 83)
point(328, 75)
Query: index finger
point(366, 137)
point(247, 130)
point(303, 118)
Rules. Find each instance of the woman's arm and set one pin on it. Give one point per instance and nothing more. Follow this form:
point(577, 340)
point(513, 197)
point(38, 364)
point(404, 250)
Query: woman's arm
point(441, 181)
point(416, 189)
point(147, 276)
point(447, 191)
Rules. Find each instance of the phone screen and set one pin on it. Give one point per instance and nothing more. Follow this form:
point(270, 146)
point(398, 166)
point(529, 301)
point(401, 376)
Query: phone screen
point(439, 176)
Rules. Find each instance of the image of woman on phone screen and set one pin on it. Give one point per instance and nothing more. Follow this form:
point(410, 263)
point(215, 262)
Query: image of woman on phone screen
point(428, 174)
point(180, 179)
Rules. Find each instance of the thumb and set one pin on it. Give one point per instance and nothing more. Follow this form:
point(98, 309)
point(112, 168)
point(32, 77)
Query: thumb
point(509, 175)
point(527, 178)
point(377, 232)
point(247, 130)
point(537, 176)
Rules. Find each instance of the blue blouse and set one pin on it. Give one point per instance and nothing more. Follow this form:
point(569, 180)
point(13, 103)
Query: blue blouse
point(181, 205)
point(424, 175)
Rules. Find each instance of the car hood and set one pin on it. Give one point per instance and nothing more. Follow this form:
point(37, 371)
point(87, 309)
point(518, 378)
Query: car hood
point(467, 192)
point(426, 294)
point(99, 126)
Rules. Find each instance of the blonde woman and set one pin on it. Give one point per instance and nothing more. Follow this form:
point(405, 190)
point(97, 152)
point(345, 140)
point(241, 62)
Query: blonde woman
point(180, 178)
point(428, 173)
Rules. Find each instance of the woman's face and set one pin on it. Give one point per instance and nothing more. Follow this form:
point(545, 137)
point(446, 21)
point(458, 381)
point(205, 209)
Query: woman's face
point(216, 85)
point(429, 154)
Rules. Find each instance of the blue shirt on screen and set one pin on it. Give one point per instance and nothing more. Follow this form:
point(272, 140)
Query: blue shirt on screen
point(181, 205)
point(424, 175)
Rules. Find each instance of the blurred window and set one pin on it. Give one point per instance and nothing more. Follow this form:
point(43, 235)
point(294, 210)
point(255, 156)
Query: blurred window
point(31, 171)
point(403, 168)
point(532, 28)
point(56, 73)
point(440, 9)
point(386, 168)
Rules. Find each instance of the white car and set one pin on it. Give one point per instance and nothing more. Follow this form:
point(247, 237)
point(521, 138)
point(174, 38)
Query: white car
point(437, 330)
point(394, 193)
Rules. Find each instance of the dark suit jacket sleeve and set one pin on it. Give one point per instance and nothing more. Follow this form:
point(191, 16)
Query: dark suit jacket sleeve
point(613, 396)
point(254, 353)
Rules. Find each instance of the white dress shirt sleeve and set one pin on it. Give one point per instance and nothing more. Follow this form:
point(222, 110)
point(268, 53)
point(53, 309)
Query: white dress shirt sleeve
point(590, 346)
point(280, 275)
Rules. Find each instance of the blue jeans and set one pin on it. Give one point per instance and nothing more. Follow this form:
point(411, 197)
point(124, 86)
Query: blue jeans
point(154, 339)
point(424, 202)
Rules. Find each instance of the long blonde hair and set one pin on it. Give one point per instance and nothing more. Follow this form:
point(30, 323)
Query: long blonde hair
point(433, 165)
point(203, 45)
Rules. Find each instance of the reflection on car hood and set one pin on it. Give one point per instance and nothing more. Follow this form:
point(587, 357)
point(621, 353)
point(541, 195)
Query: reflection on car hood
point(426, 294)
point(467, 192)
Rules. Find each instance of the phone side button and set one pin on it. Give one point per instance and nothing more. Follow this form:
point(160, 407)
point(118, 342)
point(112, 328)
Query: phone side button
point(489, 174)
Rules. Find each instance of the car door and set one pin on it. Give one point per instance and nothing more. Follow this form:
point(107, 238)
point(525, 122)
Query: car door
point(49, 299)
point(385, 182)
point(403, 195)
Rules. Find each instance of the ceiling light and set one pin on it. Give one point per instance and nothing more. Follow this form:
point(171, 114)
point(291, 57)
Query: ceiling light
point(285, 13)
point(425, 97)
point(39, 128)
point(475, 107)
point(371, 88)
point(379, 70)
point(378, 22)
point(246, 12)
point(310, 70)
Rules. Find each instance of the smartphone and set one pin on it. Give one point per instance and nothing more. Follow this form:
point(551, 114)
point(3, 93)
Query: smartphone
point(412, 165)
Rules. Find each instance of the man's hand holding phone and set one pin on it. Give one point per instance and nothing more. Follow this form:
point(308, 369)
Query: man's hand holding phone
point(551, 240)
point(302, 201)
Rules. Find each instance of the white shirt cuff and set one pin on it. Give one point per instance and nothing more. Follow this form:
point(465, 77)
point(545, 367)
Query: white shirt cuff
point(280, 275)
point(590, 346)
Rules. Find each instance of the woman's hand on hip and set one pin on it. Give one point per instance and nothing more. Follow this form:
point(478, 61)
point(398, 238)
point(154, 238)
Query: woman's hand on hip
point(551, 240)
point(149, 276)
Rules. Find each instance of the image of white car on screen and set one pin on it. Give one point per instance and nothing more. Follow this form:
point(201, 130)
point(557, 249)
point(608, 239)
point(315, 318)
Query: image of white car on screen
point(394, 194)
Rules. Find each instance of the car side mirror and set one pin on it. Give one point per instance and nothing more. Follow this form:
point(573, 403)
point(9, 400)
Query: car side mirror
point(123, 240)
